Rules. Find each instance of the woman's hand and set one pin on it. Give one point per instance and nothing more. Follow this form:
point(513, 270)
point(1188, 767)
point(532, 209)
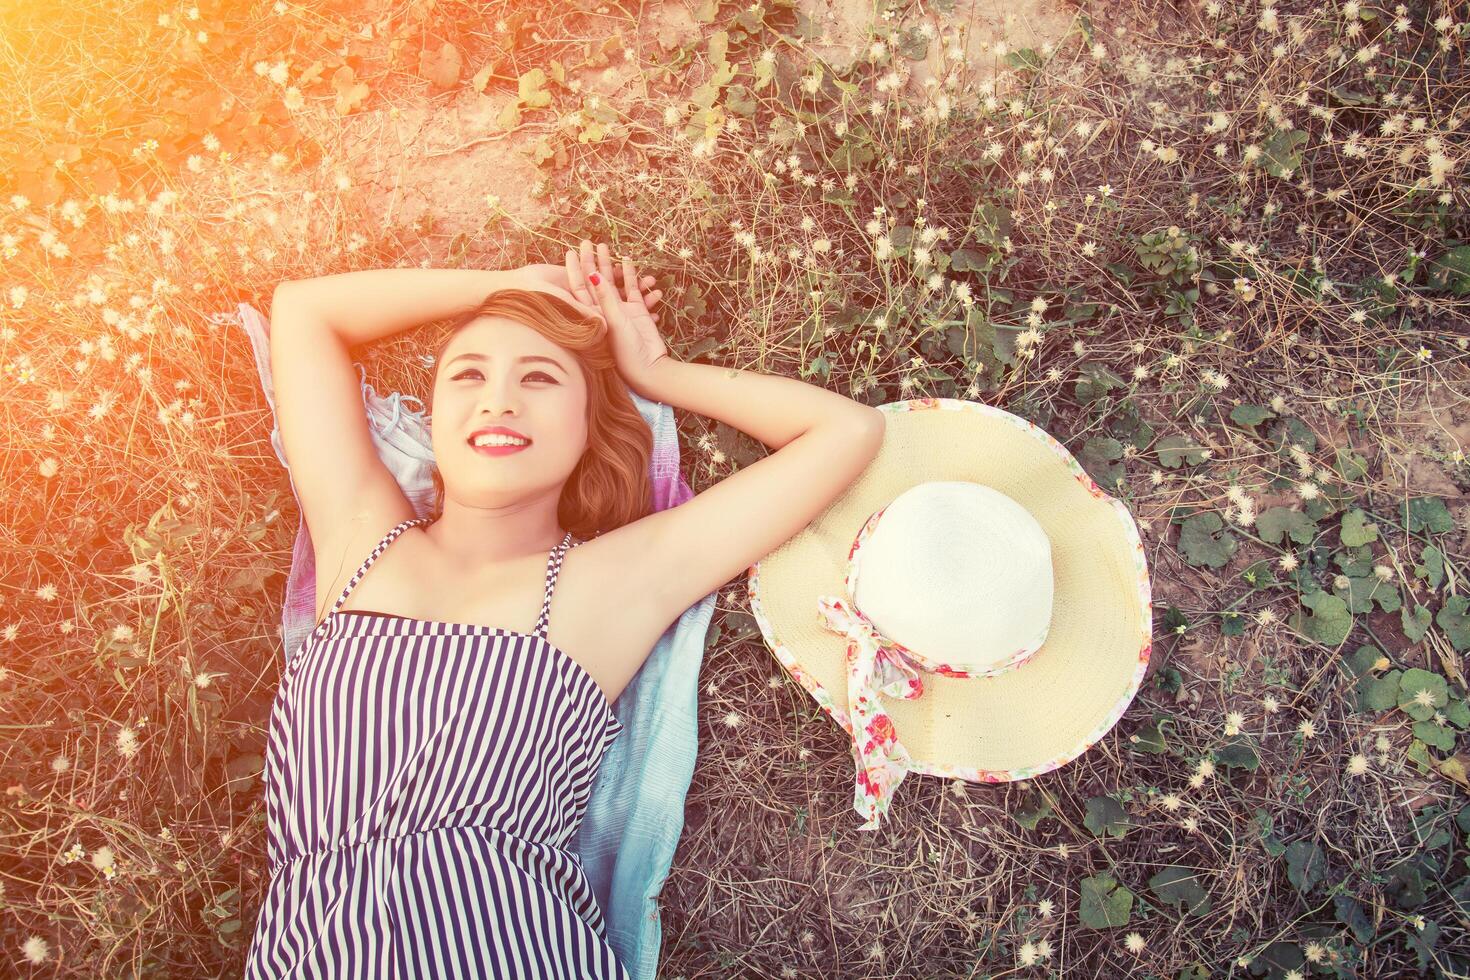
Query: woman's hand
point(557, 275)
point(631, 330)
point(534, 277)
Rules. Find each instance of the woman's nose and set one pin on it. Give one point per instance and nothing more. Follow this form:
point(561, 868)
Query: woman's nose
point(498, 396)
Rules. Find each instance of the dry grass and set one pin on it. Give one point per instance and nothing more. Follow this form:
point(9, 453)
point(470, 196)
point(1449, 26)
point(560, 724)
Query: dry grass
point(1159, 271)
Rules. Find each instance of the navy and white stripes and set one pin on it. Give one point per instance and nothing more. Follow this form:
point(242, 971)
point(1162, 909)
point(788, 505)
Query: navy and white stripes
point(424, 782)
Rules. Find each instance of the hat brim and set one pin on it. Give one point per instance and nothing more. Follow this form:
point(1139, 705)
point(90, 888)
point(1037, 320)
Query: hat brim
point(1032, 718)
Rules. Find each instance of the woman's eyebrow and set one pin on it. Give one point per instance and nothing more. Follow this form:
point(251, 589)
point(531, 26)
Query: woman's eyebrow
point(519, 360)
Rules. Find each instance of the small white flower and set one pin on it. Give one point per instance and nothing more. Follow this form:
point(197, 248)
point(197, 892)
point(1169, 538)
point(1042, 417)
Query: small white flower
point(35, 950)
point(104, 860)
point(127, 742)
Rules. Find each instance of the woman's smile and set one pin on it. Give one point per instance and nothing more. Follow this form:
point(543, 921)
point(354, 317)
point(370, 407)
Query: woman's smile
point(494, 450)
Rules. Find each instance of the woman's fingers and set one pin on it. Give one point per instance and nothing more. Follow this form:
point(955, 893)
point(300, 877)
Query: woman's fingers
point(604, 263)
point(630, 282)
point(577, 281)
point(596, 260)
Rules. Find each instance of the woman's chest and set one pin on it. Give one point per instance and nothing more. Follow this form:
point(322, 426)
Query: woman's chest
point(589, 617)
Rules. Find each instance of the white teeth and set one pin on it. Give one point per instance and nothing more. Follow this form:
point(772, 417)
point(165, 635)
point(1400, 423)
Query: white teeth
point(499, 440)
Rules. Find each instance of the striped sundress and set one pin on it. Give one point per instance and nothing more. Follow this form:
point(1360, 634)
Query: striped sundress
point(424, 781)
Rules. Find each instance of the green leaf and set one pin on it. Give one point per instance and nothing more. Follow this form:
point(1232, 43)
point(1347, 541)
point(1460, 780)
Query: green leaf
point(1283, 151)
point(1105, 904)
point(1453, 620)
point(1435, 735)
point(719, 44)
point(1422, 693)
point(1276, 523)
point(1330, 621)
point(1418, 754)
point(1237, 753)
point(1458, 713)
point(969, 260)
point(1181, 888)
point(1032, 807)
point(1150, 737)
point(1451, 271)
point(1098, 451)
point(1351, 466)
point(1427, 513)
point(1290, 430)
point(1025, 59)
point(1250, 415)
point(1106, 817)
point(1232, 623)
point(1353, 914)
point(1379, 693)
point(1348, 96)
point(1415, 624)
point(990, 224)
point(1278, 959)
point(1364, 590)
point(1095, 379)
point(242, 771)
point(1424, 943)
point(1258, 575)
point(1405, 885)
point(1203, 542)
point(1360, 662)
point(533, 94)
point(914, 45)
point(1174, 450)
point(1306, 865)
point(1356, 530)
point(739, 99)
point(1432, 569)
point(510, 115)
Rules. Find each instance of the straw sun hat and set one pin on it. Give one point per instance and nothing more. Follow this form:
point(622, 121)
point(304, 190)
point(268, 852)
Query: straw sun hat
point(975, 549)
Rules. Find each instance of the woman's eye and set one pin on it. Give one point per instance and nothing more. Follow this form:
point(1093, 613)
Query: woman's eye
point(533, 374)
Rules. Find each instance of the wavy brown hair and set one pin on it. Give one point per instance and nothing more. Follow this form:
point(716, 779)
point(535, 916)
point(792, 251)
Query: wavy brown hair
point(609, 487)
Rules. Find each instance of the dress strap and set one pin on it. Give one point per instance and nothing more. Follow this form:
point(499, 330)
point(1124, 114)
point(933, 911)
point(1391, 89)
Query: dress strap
point(368, 562)
point(553, 565)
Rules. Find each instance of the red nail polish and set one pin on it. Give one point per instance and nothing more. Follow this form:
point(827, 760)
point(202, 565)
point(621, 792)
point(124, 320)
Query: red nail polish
point(595, 279)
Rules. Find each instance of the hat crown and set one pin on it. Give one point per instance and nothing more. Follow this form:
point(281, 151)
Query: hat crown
point(959, 573)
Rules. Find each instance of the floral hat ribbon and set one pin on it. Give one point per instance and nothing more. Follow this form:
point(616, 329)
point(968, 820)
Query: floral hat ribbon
point(877, 663)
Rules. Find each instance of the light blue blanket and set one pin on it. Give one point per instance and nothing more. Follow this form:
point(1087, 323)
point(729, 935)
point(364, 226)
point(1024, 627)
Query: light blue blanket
point(636, 810)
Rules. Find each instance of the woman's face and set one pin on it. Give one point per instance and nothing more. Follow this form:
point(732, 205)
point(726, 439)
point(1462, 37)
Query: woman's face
point(483, 381)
